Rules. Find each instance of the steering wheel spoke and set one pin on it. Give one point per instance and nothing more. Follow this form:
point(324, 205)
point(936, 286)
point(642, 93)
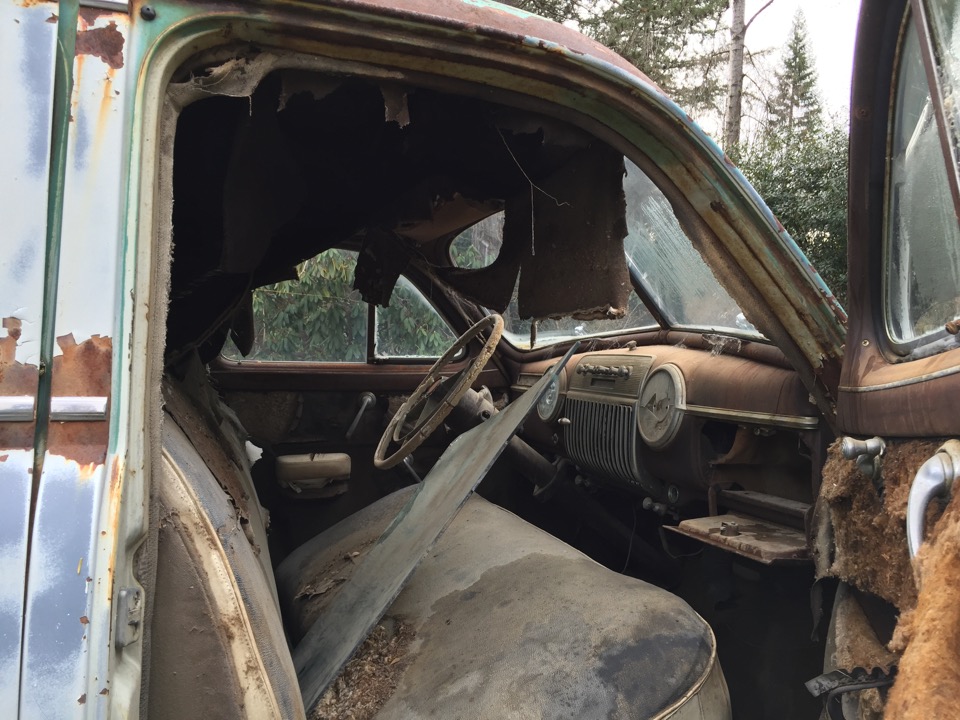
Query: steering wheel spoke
point(436, 396)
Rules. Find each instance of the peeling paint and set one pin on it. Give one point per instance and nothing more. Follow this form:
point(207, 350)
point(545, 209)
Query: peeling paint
point(83, 369)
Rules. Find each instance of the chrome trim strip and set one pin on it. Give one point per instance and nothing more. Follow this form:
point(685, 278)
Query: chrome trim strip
point(793, 422)
point(112, 5)
point(16, 408)
point(901, 383)
point(77, 409)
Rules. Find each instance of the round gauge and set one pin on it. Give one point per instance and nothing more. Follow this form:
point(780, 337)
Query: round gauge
point(549, 406)
point(660, 407)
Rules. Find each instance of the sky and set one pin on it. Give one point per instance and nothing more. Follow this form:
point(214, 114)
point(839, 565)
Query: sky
point(832, 27)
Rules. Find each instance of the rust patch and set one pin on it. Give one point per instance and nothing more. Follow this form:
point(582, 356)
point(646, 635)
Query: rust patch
point(3, 458)
point(14, 327)
point(84, 620)
point(84, 369)
point(82, 699)
point(52, 19)
point(15, 379)
point(89, 15)
point(105, 43)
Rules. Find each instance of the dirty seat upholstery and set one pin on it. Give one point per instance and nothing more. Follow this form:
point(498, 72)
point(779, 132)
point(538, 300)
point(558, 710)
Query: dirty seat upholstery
point(505, 620)
point(508, 621)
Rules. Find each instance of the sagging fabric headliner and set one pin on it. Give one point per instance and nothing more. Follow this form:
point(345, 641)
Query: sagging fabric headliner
point(276, 164)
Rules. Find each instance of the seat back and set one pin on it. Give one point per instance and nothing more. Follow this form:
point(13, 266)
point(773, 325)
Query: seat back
point(218, 648)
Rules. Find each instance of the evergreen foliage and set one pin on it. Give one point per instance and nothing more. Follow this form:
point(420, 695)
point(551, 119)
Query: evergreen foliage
point(672, 41)
point(803, 178)
point(679, 44)
point(798, 163)
point(795, 106)
point(320, 318)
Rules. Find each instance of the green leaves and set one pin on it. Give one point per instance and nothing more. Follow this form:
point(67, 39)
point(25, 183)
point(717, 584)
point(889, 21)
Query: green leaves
point(320, 318)
point(803, 178)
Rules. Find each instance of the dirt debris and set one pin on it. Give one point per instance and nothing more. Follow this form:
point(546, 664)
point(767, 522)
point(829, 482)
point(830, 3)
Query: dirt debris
point(371, 676)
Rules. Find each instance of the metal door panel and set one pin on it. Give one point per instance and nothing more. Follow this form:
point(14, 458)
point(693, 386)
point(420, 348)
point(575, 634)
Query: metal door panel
point(27, 52)
point(68, 646)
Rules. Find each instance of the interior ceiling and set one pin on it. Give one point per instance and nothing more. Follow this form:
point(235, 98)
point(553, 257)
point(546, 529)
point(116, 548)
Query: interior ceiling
point(308, 162)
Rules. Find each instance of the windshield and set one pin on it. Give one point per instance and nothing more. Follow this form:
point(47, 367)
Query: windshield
point(661, 259)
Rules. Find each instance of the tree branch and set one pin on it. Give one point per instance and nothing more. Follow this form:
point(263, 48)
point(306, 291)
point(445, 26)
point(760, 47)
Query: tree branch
point(754, 17)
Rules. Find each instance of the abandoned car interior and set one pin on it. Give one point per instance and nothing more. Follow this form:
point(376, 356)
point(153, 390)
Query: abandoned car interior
point(677, 447)
point(436, 364)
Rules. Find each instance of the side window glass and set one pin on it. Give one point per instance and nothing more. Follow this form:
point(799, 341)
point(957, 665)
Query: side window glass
point(410, 327)
point(479, 245)
point(321, 318)
point(922, 239)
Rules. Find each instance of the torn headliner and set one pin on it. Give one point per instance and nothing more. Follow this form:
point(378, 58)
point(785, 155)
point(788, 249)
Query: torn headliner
point(279, 163)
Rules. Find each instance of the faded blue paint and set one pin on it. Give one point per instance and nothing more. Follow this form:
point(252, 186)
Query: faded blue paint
point(58, 612)
point(35, 64)
point(490, 5)
point(14, 510)
point(28, 51)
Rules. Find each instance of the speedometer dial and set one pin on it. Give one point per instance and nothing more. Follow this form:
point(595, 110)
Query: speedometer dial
point(660, 407)
point(549, 406)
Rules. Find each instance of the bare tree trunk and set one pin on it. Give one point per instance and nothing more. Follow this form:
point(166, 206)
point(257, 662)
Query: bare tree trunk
point(738, 31)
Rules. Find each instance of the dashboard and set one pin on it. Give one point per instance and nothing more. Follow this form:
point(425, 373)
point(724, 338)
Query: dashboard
point(671, 422)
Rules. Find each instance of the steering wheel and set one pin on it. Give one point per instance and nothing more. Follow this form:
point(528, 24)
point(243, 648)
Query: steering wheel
point(436, 396)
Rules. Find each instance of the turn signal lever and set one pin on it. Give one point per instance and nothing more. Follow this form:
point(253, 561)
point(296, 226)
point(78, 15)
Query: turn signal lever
point(367, 400)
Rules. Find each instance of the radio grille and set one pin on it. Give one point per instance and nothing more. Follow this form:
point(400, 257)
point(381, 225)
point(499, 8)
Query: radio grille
point(602, 437)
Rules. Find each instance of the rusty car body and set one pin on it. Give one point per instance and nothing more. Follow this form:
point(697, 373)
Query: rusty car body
point(202, 516)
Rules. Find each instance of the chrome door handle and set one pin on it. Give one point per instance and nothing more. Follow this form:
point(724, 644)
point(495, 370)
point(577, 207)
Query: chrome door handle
point(935, 477)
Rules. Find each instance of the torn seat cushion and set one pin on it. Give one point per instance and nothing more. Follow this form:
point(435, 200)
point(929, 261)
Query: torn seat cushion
point(504, 620)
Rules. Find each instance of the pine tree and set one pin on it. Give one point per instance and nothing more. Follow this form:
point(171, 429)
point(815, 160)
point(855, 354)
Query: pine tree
point(679, 44)
point(670, 40)
point(794, 109)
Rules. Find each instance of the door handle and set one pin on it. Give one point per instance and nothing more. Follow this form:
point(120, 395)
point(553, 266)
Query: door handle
point(934, 478)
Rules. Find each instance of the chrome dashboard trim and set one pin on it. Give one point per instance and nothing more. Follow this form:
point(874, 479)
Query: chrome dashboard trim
point(791, 422)
point(945, 372)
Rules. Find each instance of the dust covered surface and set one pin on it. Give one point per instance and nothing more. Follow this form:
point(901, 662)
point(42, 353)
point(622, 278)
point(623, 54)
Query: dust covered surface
point(928, 682)
point(371, 676)
point(869, 532)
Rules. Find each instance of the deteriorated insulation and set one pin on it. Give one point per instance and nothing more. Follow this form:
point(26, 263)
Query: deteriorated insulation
point(871, 554)
point(870, 531)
